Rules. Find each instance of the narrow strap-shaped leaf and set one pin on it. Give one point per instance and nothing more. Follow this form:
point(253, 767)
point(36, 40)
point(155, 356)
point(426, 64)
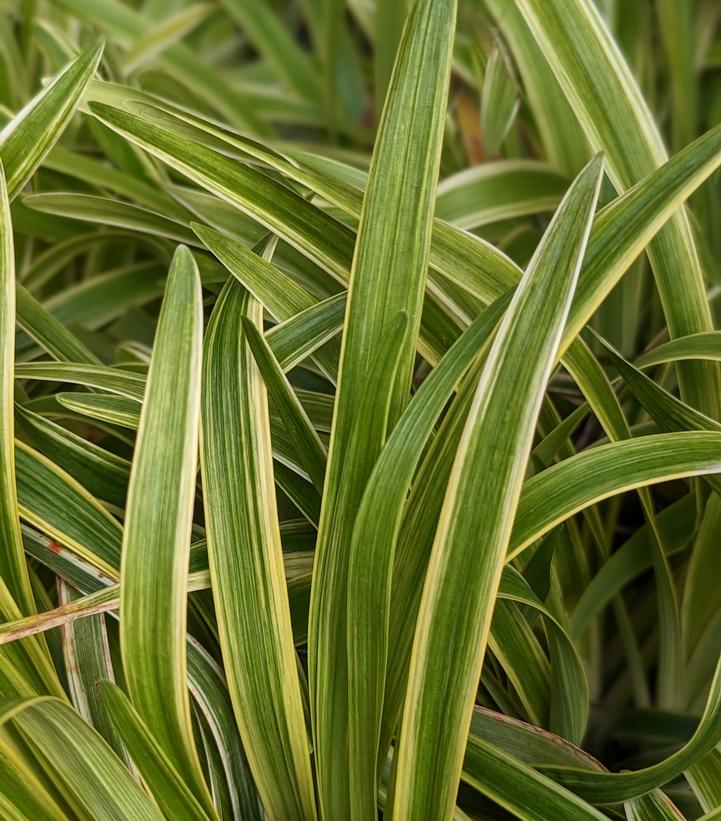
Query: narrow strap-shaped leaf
point(291, 341)
point(280, 294)
point(280, 209)
point(87, 661)
point(28, 137)
point(550, 497)
point(12, 556)
point(705, 780)
point(560, 133)
point(693, 346)
point(626, 225)
point(616, 119)
point(166, 785)
point(101, 176)
point(666, 410)
point(654, 806)
point(526, 743)
point(296, 421)
point(26, 669)
point(246, 565)
point(518, 652)
point(117, 410)
point(107, 407)
point(158, 517)
point(479, 504)
point(61, 507)
point(677, 26)
point(563, 489)
point(610, 788)
point(115, 380)
point(13, 567)
point(498, 190)
point(92, 776)
point(106, 211)
point(388, 277)
point(101, 472)
point(372, 550)
point(125, 24)
point(104, 597)
point(594, 475)
point(593, 382)
point(23, 796)
point(388, 29)
point(333, 28)
point(519, 789)
point(499, 101)
point(675, 523)
point(472, 263)
point(210, 691)
point(623, 228)
point(47, 331)
point(569, 686)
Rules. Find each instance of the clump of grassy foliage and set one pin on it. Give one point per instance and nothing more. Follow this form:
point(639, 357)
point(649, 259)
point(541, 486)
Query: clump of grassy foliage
point(359, 411)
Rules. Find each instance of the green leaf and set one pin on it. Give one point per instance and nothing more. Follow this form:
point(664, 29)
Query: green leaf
point(301, 334)
point(694, 346)
point(278, 208)
point(519, 789)
point(624, 227)
point(100, 471)
point(609, 788)
point(554, 494)
point(389, 19)
point(298, 425)
point(28, 137)
point(55, 503)
point(655, 806)
point(105, 211)
point(703, 777)
point(168, 788)
point(115, 380)
point(499, 101)
point(616, 119)
point(158, 516)
point(87, 661)
point(245, 559)
point(52, 335)
point(499, 190)
point(118, 410)
point(13, 568)
point(461, 584)
point(93, 779)
point(387, 277)
point(283, 297)
point(675, 524)
point(125, 25)
point(562, 138)
point(372, 549)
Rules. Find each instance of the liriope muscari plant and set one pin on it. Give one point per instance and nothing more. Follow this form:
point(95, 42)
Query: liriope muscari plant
point(360, 410)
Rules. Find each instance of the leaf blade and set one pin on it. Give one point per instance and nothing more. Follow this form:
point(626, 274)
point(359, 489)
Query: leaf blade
point(437, 710)
point(245, 560)
point(156, 536)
